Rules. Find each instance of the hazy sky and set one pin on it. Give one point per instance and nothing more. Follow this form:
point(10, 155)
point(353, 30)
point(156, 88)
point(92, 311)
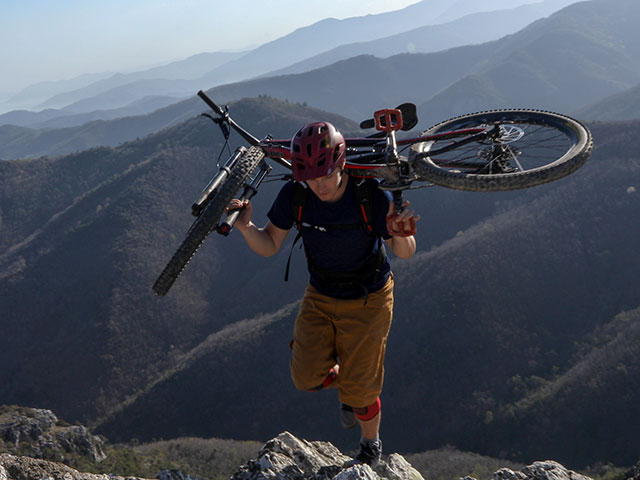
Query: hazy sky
point(60, 39)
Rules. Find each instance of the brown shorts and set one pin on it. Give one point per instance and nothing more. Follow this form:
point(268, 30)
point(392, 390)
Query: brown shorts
point(348, 332)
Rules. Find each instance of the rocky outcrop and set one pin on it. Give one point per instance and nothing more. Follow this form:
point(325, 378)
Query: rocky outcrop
point(289, 458)
point(26, 468)
point(633, 473)
point(547, 470)
point(39, 433)
point(282, 458)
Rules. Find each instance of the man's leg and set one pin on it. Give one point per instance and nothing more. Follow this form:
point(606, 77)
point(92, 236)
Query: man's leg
point(313, 346)
point(369, 420)
point(371, 428)
point(370, 443)
point(361, 337)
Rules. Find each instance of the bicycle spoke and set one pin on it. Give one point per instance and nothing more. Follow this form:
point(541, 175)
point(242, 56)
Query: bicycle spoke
point(539, 142)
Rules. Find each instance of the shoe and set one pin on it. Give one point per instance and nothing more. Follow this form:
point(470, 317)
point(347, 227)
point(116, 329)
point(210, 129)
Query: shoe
point(370, 452)
point(348, 418)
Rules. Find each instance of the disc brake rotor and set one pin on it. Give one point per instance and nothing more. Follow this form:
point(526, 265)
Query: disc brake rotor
point(509, 134)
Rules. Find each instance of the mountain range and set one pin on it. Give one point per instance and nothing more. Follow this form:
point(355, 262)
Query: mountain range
point(470, 29)
point(182, 78)
point(589, 44)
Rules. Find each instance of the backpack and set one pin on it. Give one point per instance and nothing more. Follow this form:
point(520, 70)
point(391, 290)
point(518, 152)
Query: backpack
point(364, 198)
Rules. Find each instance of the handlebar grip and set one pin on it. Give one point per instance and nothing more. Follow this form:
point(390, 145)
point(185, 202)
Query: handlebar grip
point(225, 227)
point(210, 102)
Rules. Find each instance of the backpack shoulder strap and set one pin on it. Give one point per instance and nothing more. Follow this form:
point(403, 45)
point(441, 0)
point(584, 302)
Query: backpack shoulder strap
point(298, 200)
point(364, 197)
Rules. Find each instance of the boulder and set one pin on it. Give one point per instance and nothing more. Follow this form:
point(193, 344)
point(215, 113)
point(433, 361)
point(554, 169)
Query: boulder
point(39, 433)
point(547, 470)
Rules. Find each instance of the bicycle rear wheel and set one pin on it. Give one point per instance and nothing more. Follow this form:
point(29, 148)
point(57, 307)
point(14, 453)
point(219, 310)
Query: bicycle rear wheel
point(208, 219)
point(530, 148)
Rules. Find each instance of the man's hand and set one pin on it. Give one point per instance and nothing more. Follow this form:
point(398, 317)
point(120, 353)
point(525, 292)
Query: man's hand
point(403, 224)
point(264, 241)
point(244, 219)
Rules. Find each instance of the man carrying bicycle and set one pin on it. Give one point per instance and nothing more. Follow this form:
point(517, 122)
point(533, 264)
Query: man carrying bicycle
point(340, 334)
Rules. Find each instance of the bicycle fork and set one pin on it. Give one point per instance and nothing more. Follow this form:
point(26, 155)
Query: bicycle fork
point(215, 182)
point(250, 190)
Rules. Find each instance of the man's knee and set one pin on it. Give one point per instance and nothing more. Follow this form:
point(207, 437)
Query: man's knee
point(368, 413)
point(303, 381)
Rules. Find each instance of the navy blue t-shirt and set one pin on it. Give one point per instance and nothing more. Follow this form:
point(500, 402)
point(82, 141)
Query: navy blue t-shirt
point(338, 250)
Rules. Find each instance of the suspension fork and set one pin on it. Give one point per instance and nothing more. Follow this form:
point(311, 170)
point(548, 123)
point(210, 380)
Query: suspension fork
point(216, 181)
point(250, 190)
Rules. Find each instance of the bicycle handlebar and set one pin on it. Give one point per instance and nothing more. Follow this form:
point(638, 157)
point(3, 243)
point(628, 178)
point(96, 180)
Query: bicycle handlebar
point(225, 117)
point(211, 103)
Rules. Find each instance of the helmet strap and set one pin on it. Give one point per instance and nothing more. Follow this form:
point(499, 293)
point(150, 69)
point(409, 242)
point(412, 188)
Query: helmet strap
point(341, 178)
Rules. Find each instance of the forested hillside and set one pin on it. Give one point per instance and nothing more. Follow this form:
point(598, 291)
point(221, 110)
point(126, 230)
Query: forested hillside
point(83, 238)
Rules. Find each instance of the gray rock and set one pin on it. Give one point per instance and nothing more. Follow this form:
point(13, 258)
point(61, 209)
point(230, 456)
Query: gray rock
point(633, 473)
point(357, 472)
point(508, 474)
point(174, 475)
point(547, 470)
point(26, 468)
point(26, 424)
point(286, 457)
point(38, 431)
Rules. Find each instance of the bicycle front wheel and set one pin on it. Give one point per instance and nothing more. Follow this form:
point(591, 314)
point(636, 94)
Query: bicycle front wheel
point(208, 219)
point(528, 148)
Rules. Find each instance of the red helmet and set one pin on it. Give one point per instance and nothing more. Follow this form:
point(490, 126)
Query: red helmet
point(316, 150)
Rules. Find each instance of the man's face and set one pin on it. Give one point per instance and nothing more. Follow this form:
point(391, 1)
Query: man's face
point(328, 188)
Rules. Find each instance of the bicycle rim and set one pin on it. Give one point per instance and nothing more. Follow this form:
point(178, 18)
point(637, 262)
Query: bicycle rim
point(208, 219)
point(531, 148)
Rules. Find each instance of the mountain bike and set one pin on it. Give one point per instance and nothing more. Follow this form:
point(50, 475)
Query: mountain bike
point(495, 150)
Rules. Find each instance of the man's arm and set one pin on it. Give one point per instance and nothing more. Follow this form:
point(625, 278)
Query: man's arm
point(402, 247)
point(264, 241)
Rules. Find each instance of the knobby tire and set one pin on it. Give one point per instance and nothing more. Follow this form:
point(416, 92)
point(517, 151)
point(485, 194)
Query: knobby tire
point(574, 151)
point(208, 219)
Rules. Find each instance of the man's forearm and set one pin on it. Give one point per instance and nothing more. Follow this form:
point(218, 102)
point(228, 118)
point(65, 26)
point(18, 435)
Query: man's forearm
point(403, 247)
point(259, 240)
